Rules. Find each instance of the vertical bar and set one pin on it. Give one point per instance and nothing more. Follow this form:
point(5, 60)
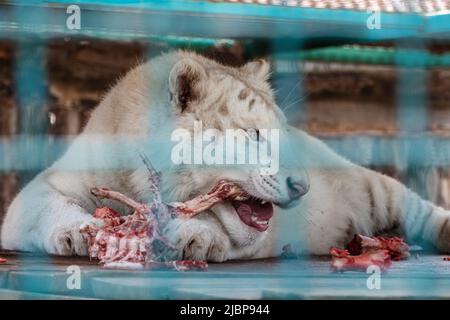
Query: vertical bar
point(288, 83)
point(31, 92)
point(412, 112)
point(8, 127)
point(31, 88)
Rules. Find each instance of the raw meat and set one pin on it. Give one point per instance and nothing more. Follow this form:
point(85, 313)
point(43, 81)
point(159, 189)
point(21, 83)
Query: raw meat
point(365, 251)
point(341, 260)
point(397, 248)
point(3, 260)
point(136, 241)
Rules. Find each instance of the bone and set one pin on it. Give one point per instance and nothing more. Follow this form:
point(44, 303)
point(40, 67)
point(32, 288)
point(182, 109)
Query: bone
point(397, 248)
point(105, 193)
point(222, 191)
point(341, 260)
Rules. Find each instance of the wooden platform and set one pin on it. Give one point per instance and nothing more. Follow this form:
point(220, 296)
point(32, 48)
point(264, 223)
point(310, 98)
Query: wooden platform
point(27, 276)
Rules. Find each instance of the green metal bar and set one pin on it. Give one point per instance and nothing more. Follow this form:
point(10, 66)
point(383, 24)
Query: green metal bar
point(361, 54)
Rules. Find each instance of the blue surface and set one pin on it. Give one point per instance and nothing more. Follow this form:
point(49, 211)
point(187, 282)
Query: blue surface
point(421, 276)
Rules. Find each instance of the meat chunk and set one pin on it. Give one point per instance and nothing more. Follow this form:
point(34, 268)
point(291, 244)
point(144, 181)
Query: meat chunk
point(341, 260)
point(363, 252)
point(136, 241)
point(397, 248)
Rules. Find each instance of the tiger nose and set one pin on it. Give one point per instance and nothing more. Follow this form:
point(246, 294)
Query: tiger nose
point(296, 188)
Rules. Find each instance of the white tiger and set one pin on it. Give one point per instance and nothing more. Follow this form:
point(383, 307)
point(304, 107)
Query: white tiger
point(342, 199)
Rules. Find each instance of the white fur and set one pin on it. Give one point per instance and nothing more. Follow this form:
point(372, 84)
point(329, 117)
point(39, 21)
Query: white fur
point(136, 115)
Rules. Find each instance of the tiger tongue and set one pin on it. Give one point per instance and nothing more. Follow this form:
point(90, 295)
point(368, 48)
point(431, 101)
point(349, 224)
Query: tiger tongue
point(253, 213)
point(263, 211)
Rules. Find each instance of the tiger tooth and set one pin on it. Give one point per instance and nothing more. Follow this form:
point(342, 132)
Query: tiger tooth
point(263, 201)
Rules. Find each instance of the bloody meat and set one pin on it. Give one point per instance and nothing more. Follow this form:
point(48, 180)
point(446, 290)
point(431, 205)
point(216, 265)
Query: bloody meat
point(397, 248)
point(341, 260)
point(136, 241)
point(363, 252)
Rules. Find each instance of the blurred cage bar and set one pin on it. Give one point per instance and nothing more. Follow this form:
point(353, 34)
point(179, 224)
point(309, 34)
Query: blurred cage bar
point(379, 96)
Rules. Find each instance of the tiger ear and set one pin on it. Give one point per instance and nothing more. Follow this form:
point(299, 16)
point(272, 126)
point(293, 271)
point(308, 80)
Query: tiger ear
point(259, 69)
point(183, 81)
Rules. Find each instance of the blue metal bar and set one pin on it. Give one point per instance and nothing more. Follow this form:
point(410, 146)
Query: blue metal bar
point(437, 25)
point(363, 149)
point(31, 85)
point(31, 90)
point(131, 19)
point(412, 113)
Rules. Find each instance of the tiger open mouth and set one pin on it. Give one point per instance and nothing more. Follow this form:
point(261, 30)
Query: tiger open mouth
point(253, 211)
